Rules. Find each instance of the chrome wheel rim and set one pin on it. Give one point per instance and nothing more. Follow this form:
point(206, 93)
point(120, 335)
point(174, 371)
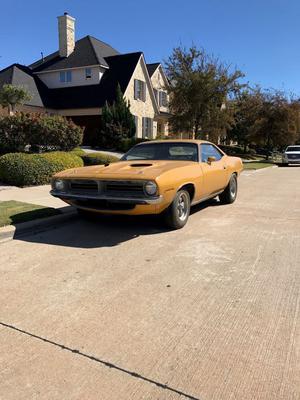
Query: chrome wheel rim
point(182, 206)
point(233, 187)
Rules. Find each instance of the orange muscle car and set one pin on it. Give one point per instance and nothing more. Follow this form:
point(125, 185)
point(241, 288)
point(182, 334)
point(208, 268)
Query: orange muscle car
point(158, 177)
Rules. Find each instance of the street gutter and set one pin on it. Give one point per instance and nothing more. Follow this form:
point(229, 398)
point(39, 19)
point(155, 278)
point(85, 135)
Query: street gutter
point(16, 231)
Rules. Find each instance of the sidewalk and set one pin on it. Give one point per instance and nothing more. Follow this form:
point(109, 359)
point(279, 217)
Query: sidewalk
point(35, 195)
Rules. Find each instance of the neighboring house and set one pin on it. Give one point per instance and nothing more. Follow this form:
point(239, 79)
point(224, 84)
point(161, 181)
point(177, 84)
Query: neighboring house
point(81, 76)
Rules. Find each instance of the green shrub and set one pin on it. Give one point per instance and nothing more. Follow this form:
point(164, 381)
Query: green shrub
point(42, 132)
point(98, 159)
point(126, 144)
point(78, 151)
point(54, 131)
point(15, 131)
point(63, 160)
point(21, 169)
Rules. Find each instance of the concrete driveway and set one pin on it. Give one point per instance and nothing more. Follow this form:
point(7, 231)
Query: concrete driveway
point(119, 309)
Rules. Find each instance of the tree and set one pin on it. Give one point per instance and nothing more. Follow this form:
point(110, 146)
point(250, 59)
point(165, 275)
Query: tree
point(265, 118)
point(199, 87)
point(276, 125)
point(246, 109)
point(11, 96)
point(117, 121)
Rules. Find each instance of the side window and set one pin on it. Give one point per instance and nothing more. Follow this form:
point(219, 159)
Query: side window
point(62, 76)
point(139, 90)
point(147, 128)
point(65, 76)
point(88, 73)
point(163, 102)
point(208, 150)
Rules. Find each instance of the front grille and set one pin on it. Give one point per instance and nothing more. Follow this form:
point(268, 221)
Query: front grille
point(110, 188)
point(293, 156)
point(84, 186)
point(123, 188)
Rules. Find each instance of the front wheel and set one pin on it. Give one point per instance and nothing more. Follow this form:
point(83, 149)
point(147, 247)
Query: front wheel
point(230, 192)
point(178, 212)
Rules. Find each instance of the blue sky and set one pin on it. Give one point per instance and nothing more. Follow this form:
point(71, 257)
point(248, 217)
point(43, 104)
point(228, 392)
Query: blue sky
point(262, 38)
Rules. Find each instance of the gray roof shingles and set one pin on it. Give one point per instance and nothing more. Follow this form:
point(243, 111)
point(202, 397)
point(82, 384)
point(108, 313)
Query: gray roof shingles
point(19, 75)
point(88, 51)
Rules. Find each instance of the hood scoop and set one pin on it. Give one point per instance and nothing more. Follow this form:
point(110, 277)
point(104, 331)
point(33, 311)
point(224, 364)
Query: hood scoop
point(140, 165)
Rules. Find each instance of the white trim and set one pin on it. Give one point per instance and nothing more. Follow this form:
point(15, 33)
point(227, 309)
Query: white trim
point(64, 69)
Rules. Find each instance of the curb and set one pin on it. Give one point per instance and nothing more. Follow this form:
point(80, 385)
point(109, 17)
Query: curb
point(10, 232)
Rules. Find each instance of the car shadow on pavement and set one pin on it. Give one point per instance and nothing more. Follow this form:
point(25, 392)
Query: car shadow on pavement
point(104, 363)
point(105, 230)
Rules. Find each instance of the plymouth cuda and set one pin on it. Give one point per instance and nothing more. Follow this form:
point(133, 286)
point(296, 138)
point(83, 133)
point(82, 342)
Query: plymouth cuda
point(157, 177)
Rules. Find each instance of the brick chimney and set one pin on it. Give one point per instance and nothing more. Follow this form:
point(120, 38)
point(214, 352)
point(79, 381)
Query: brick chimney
point(66, 32)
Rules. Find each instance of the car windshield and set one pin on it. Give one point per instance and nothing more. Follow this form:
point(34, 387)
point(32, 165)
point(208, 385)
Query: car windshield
point(293, 148)
point(163, 151)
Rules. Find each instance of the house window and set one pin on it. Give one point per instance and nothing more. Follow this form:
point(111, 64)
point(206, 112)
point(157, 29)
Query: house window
point(147, 128)
point(163, 100)
point(88, 73)
point(65, 76)
point(139, 90)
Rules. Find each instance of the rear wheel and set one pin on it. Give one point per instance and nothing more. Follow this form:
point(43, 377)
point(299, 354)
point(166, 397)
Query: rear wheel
point(178, 212)
point(230, 192)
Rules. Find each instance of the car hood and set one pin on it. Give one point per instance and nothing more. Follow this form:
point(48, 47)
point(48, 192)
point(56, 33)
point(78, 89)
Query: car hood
point(124, 170)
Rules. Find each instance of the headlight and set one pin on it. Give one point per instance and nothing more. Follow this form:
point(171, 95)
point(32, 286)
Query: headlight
point(58, 185)
point(150, 188)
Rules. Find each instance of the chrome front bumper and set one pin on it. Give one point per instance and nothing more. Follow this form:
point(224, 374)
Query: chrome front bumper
point(113, 199)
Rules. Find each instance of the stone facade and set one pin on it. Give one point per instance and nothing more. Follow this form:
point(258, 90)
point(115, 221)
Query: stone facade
point(159, 83)
point(140, 108)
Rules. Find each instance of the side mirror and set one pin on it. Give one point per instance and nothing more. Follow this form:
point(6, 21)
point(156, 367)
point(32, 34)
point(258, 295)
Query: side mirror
point(211, 159)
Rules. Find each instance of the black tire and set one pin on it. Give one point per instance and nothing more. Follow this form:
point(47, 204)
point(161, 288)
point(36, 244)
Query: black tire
point(230, 192)
point(178, 212)
point(284, 164)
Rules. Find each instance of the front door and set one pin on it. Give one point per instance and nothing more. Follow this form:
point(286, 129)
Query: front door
point(214, 173)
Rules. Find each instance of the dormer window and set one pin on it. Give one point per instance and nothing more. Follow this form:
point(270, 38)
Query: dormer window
point(88, 73)
point(65, 76)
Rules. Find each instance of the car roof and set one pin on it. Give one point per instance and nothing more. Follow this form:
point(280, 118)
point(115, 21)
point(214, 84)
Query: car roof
point(196, 141)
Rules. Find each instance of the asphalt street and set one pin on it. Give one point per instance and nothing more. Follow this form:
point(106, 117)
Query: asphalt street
point(122, 309)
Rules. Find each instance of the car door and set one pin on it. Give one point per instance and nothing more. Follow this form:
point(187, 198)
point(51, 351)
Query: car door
point(215, 175)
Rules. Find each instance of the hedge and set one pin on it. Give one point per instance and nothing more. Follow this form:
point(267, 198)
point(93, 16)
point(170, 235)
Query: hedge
point(39, 132)
point(21, 169)
point(98, 159)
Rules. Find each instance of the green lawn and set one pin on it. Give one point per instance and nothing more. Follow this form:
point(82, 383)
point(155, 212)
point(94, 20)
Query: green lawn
point(13, 212)
point(257, 165)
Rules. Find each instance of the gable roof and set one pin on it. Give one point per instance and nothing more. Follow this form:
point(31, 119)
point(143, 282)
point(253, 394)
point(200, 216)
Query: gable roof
point(88, 51)
point(19, 75)
point(152, 68)
point(121, 68)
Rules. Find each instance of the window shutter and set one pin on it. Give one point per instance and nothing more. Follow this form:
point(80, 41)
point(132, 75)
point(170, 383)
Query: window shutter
point(144, 91)
point(135, 89)
point(160, 98)
point(151, 128)
point(136, 120)
point(143, 127)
